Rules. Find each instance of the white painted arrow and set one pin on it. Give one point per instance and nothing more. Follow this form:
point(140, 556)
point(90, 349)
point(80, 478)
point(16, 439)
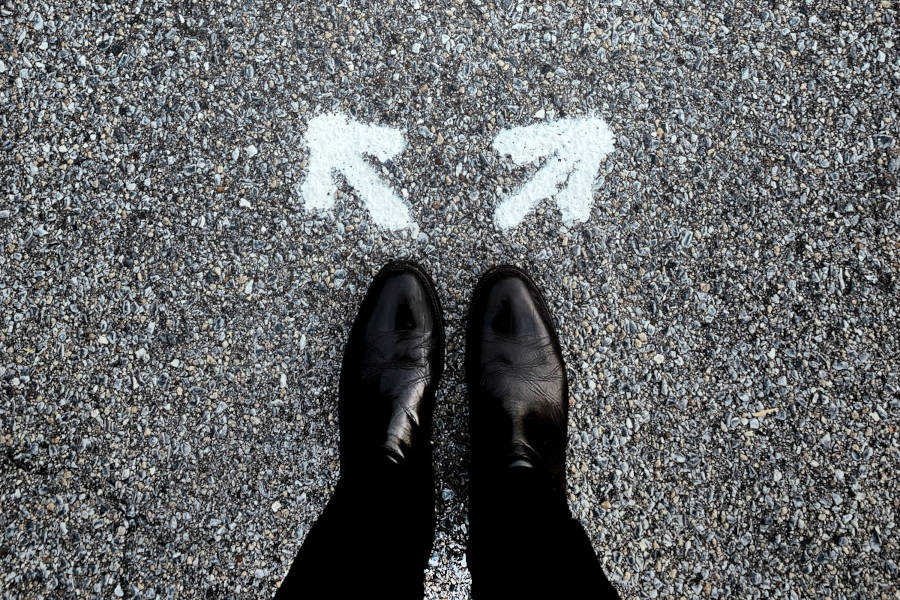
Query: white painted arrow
point(338, 144)
point(573, 149)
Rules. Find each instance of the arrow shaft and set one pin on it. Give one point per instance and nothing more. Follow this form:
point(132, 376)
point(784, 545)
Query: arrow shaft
point(385, 206)
point(544, 184)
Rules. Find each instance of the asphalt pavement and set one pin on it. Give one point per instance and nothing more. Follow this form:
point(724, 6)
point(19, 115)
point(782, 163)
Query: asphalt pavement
point(173, 310)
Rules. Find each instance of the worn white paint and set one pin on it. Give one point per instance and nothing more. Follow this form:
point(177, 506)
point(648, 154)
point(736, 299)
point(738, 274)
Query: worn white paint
point(573, 149)
point(338, 144)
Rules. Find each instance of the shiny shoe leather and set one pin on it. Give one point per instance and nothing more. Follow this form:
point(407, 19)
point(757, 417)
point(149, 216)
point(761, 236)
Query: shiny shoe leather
point(390, 371)
point(518, 392)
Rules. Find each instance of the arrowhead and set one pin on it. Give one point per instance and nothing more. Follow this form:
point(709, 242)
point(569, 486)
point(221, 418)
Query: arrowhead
point(339, 144)
point(573, 149)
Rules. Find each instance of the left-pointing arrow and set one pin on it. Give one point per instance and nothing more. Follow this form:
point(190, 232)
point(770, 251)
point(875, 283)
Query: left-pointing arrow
point(338, 144)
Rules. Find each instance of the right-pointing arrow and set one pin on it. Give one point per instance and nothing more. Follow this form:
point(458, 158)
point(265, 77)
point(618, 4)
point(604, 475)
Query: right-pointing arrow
point(573, 149)
point(338, 144)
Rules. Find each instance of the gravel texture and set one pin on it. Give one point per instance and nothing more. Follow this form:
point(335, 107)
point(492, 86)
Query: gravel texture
point(172, 320)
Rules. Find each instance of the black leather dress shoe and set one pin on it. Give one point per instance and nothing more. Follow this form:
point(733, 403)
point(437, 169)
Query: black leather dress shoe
point(518, 392)
point(375, 535)
point(523, 541)
point(392, 362)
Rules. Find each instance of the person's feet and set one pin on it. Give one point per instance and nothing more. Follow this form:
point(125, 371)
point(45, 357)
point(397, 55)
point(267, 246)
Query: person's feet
point(392, 363)
point(518, 394)
point(523, 542)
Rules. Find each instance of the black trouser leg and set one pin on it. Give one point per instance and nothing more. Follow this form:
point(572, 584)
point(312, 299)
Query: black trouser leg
point(372, 540)
point(524, 543)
